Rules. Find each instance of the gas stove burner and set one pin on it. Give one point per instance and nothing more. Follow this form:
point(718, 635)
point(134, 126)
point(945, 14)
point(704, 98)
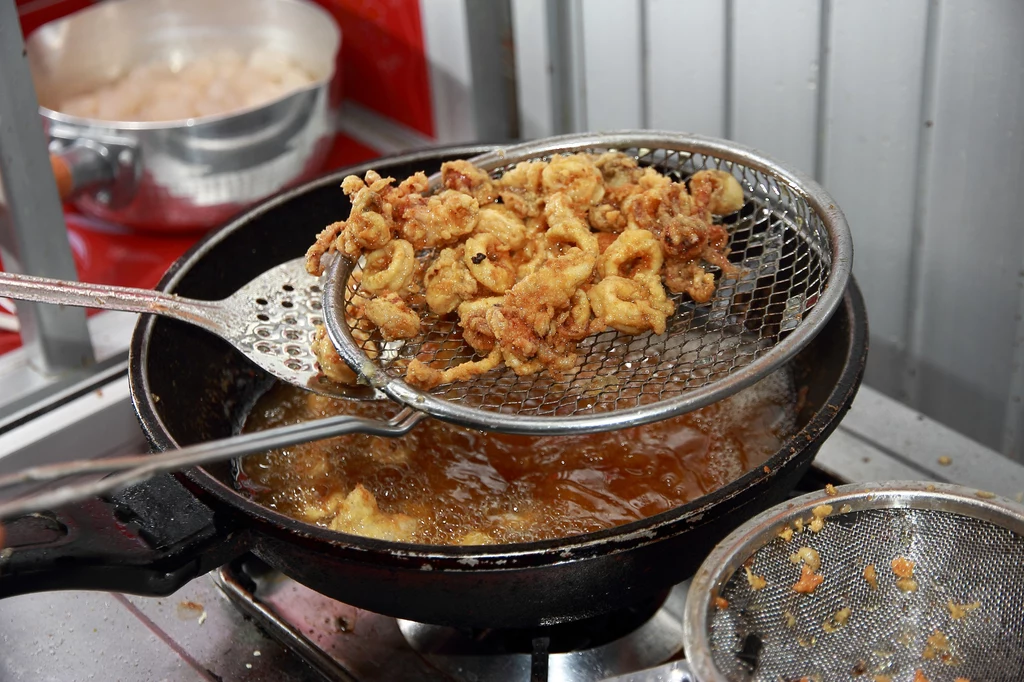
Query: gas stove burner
point(585, 651)
point(345, 643)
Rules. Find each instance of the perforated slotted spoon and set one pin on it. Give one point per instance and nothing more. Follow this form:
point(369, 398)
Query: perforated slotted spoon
point(270, 320)
point(793, 252)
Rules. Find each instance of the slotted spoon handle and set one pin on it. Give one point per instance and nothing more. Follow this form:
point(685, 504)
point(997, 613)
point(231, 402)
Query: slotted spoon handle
point(134, 469)
point(107, 297)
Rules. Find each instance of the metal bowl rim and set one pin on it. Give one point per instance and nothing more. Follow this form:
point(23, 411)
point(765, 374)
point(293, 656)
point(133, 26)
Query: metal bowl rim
point(95, 123)
point(728, 556)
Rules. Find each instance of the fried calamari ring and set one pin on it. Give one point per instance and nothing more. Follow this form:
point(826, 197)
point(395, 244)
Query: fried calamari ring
point(486, 257)
point(634, 252)
point(503, 223)
point(521, 189)
point(577, 178)
point(572, 246)
point(389, 269)
point(631, 306)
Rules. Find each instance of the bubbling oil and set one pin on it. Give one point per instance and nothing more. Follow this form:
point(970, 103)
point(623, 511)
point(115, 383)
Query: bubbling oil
point(454, 485)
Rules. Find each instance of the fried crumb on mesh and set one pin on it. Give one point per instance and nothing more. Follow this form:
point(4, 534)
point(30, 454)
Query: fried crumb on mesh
point(903, 568)
point(871, 576)
point(960, 611)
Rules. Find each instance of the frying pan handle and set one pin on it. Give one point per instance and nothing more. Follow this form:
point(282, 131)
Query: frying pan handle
point(107, 170)
point(81, 167)
point(64, 177)
point(149, 539)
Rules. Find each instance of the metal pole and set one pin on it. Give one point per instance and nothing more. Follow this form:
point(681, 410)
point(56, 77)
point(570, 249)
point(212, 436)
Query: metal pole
point(568, 80)
point(33, 238)
point(492, 63)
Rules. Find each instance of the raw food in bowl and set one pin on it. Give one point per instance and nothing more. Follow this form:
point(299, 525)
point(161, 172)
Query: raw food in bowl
point(208, 85)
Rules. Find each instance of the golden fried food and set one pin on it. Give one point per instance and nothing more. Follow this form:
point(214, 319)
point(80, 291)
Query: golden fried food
point(837, 620)
point(393, 317)
point(358, 513)
point(389, 268)
point(958, 611)
point(809, 580)
point(808, 556)
point(871, 576)
point(902, 567)
point(331, 364)
point(818, 517)
point(427, 377)
point(756, 582)
point(531, 262)
point(904, 570)
point(448, 282)
point(718, 190)
point(631, 305)
point(937, 646)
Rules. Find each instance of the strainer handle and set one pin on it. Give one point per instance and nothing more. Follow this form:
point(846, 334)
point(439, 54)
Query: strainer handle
point(133, 469)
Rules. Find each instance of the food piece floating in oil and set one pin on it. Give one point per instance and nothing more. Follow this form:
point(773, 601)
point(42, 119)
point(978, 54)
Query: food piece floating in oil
point(447, 485)
point(532, 262)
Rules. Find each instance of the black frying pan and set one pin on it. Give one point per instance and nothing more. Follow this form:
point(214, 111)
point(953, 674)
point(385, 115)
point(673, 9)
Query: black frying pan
point(190, 386)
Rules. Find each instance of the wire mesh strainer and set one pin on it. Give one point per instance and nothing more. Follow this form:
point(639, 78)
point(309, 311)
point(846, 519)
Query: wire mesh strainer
point(965, 619)
point(794, 251)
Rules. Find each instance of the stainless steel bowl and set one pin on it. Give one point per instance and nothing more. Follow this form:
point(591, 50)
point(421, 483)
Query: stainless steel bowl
point(193, 173)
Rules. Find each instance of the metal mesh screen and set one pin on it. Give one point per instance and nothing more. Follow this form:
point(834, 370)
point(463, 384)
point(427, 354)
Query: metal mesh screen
point(778, 634)
point(783, 250)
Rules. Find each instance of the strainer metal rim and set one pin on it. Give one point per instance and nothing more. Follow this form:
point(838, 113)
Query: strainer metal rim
point(840, 241)
point(729, 555)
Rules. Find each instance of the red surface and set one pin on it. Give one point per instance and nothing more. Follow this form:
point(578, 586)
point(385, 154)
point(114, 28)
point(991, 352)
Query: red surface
point(35, 13)
point(347, 152)
point(383, 61)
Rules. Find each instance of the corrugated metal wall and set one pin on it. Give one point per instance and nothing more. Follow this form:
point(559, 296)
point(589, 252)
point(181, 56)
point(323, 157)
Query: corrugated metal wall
point(911, 113)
